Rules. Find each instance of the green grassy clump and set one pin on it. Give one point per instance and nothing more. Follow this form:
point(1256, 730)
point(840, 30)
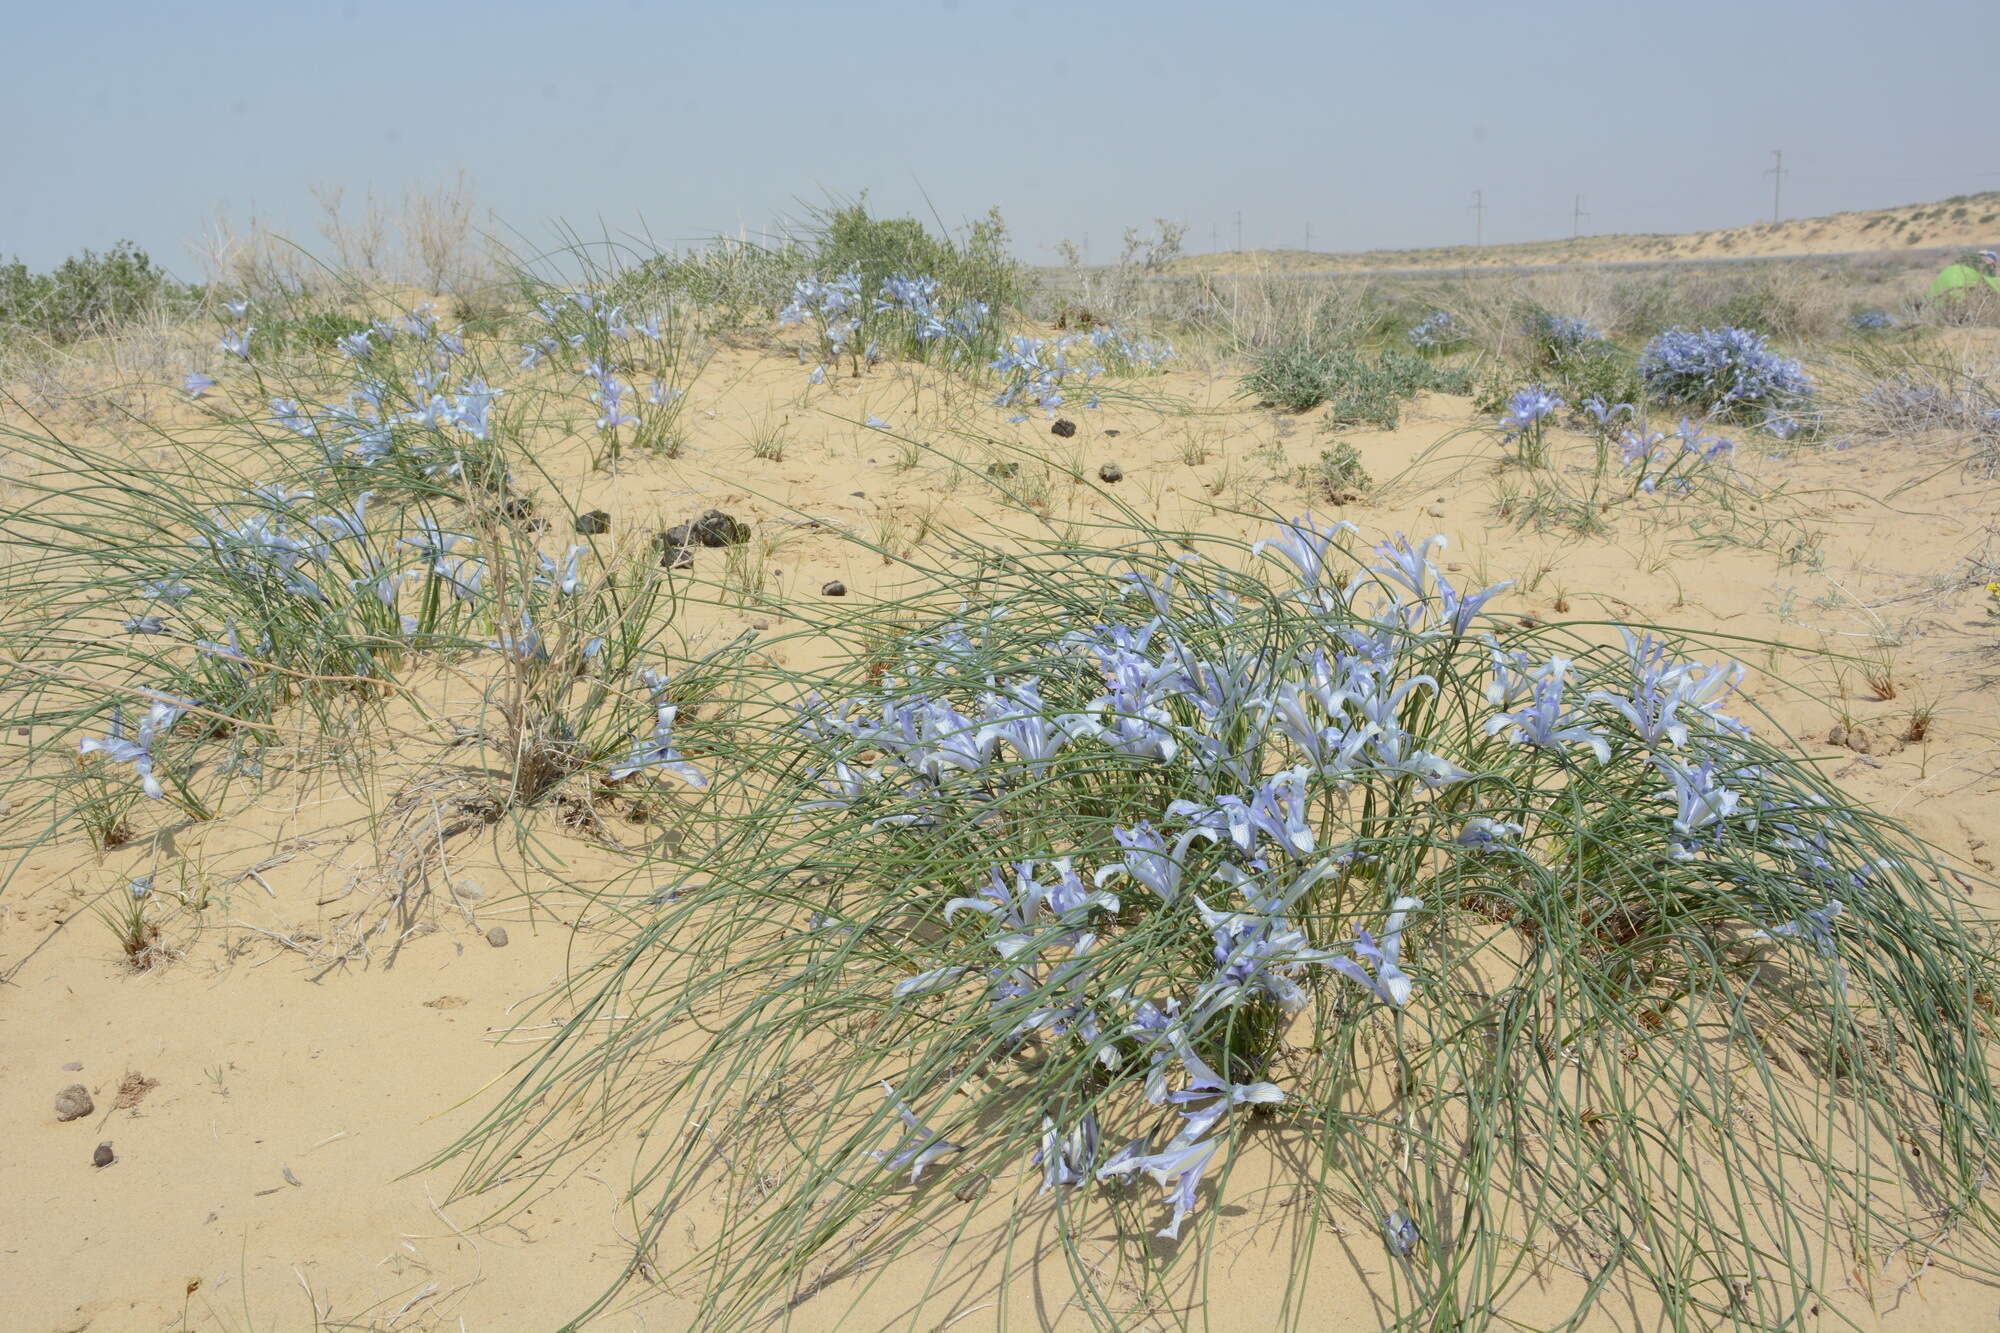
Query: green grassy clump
point(1337, 472)
point(1359, 390)
point(89, 294)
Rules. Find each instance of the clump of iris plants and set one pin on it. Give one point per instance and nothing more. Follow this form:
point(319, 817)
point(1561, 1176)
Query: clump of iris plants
point(1673, 459)
point(179, 616)
point(1723, 371)
point(1439, 331)
point(654, 348)
point(901, 315)
point(1040, 370)
point(1061, 901)
point(1525, 424)
point(1558, 338)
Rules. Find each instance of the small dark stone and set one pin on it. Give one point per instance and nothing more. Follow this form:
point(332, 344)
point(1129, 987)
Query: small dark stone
point(1063, 428)
point(1112, 434)
point(103, 1157)
point(859, 495)
point(1002, 469)
point(73, 1102)
point(73, 1066)
point(519, 508)
point(536, 525)
point(1111, 472)
point(594, 524)
point(675, 546)
point(715, 528)
point(497, 937)
point(834, 589)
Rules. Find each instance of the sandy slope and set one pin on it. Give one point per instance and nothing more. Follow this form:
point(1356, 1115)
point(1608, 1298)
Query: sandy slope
point(1962, 222)
point(256, 1063)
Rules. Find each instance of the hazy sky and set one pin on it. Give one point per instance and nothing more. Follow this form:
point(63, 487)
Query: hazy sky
point(1372, 124)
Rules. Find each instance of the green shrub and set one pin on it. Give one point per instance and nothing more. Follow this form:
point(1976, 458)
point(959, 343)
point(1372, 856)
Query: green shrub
point(979, 268)
point(87, 294)
point(310, 331)
point(735, 285)
point(1606, 373)
point(1337, 472)
point(1290, 375)
point(1297, 377)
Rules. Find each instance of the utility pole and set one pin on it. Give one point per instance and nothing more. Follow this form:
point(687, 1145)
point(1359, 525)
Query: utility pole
point(1239, 231)
point(1309, 235)
point(1576, 217)
point(1776, 171)
point(1478, 209)
point(1214, 237)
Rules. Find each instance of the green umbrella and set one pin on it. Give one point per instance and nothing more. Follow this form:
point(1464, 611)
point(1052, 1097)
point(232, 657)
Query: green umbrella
point(1957, 277)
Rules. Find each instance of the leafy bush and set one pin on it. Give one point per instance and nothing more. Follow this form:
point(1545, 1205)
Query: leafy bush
point(1337, 473)
point(1299, 377)
point(735, 285)
point(315, 330)
point(88, 294)
point(978, 269)
point(1291, 375)
point(1725, 371)
point(1604, 371)
point(1764, 307)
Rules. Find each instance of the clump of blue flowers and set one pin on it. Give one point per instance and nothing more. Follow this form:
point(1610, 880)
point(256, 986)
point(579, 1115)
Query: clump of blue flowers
point(1436, 332)
point(901, 315)
point(1135, 862)
point(1724, 371)
point(1253, 855)
point(1526, 422)
point(1039, 370)
point(1561, 337)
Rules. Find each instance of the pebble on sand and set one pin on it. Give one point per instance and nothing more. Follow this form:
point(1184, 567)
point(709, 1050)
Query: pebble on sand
point(834, 588)
point(715, 528)
point(1111, 472)
point(73, 1102)
point(103, 1157)
point(497, 937)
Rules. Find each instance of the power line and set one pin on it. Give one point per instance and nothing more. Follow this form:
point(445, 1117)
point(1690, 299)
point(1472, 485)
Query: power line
point(1777, 174)
point(1478, 208)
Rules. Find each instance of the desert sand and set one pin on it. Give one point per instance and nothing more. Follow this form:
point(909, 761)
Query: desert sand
point(270, 1094)
point(1960, 222)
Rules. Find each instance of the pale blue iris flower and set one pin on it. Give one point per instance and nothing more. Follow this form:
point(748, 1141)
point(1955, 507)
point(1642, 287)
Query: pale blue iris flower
point(136, 749)
point(922, 1146)
point(657, 751)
